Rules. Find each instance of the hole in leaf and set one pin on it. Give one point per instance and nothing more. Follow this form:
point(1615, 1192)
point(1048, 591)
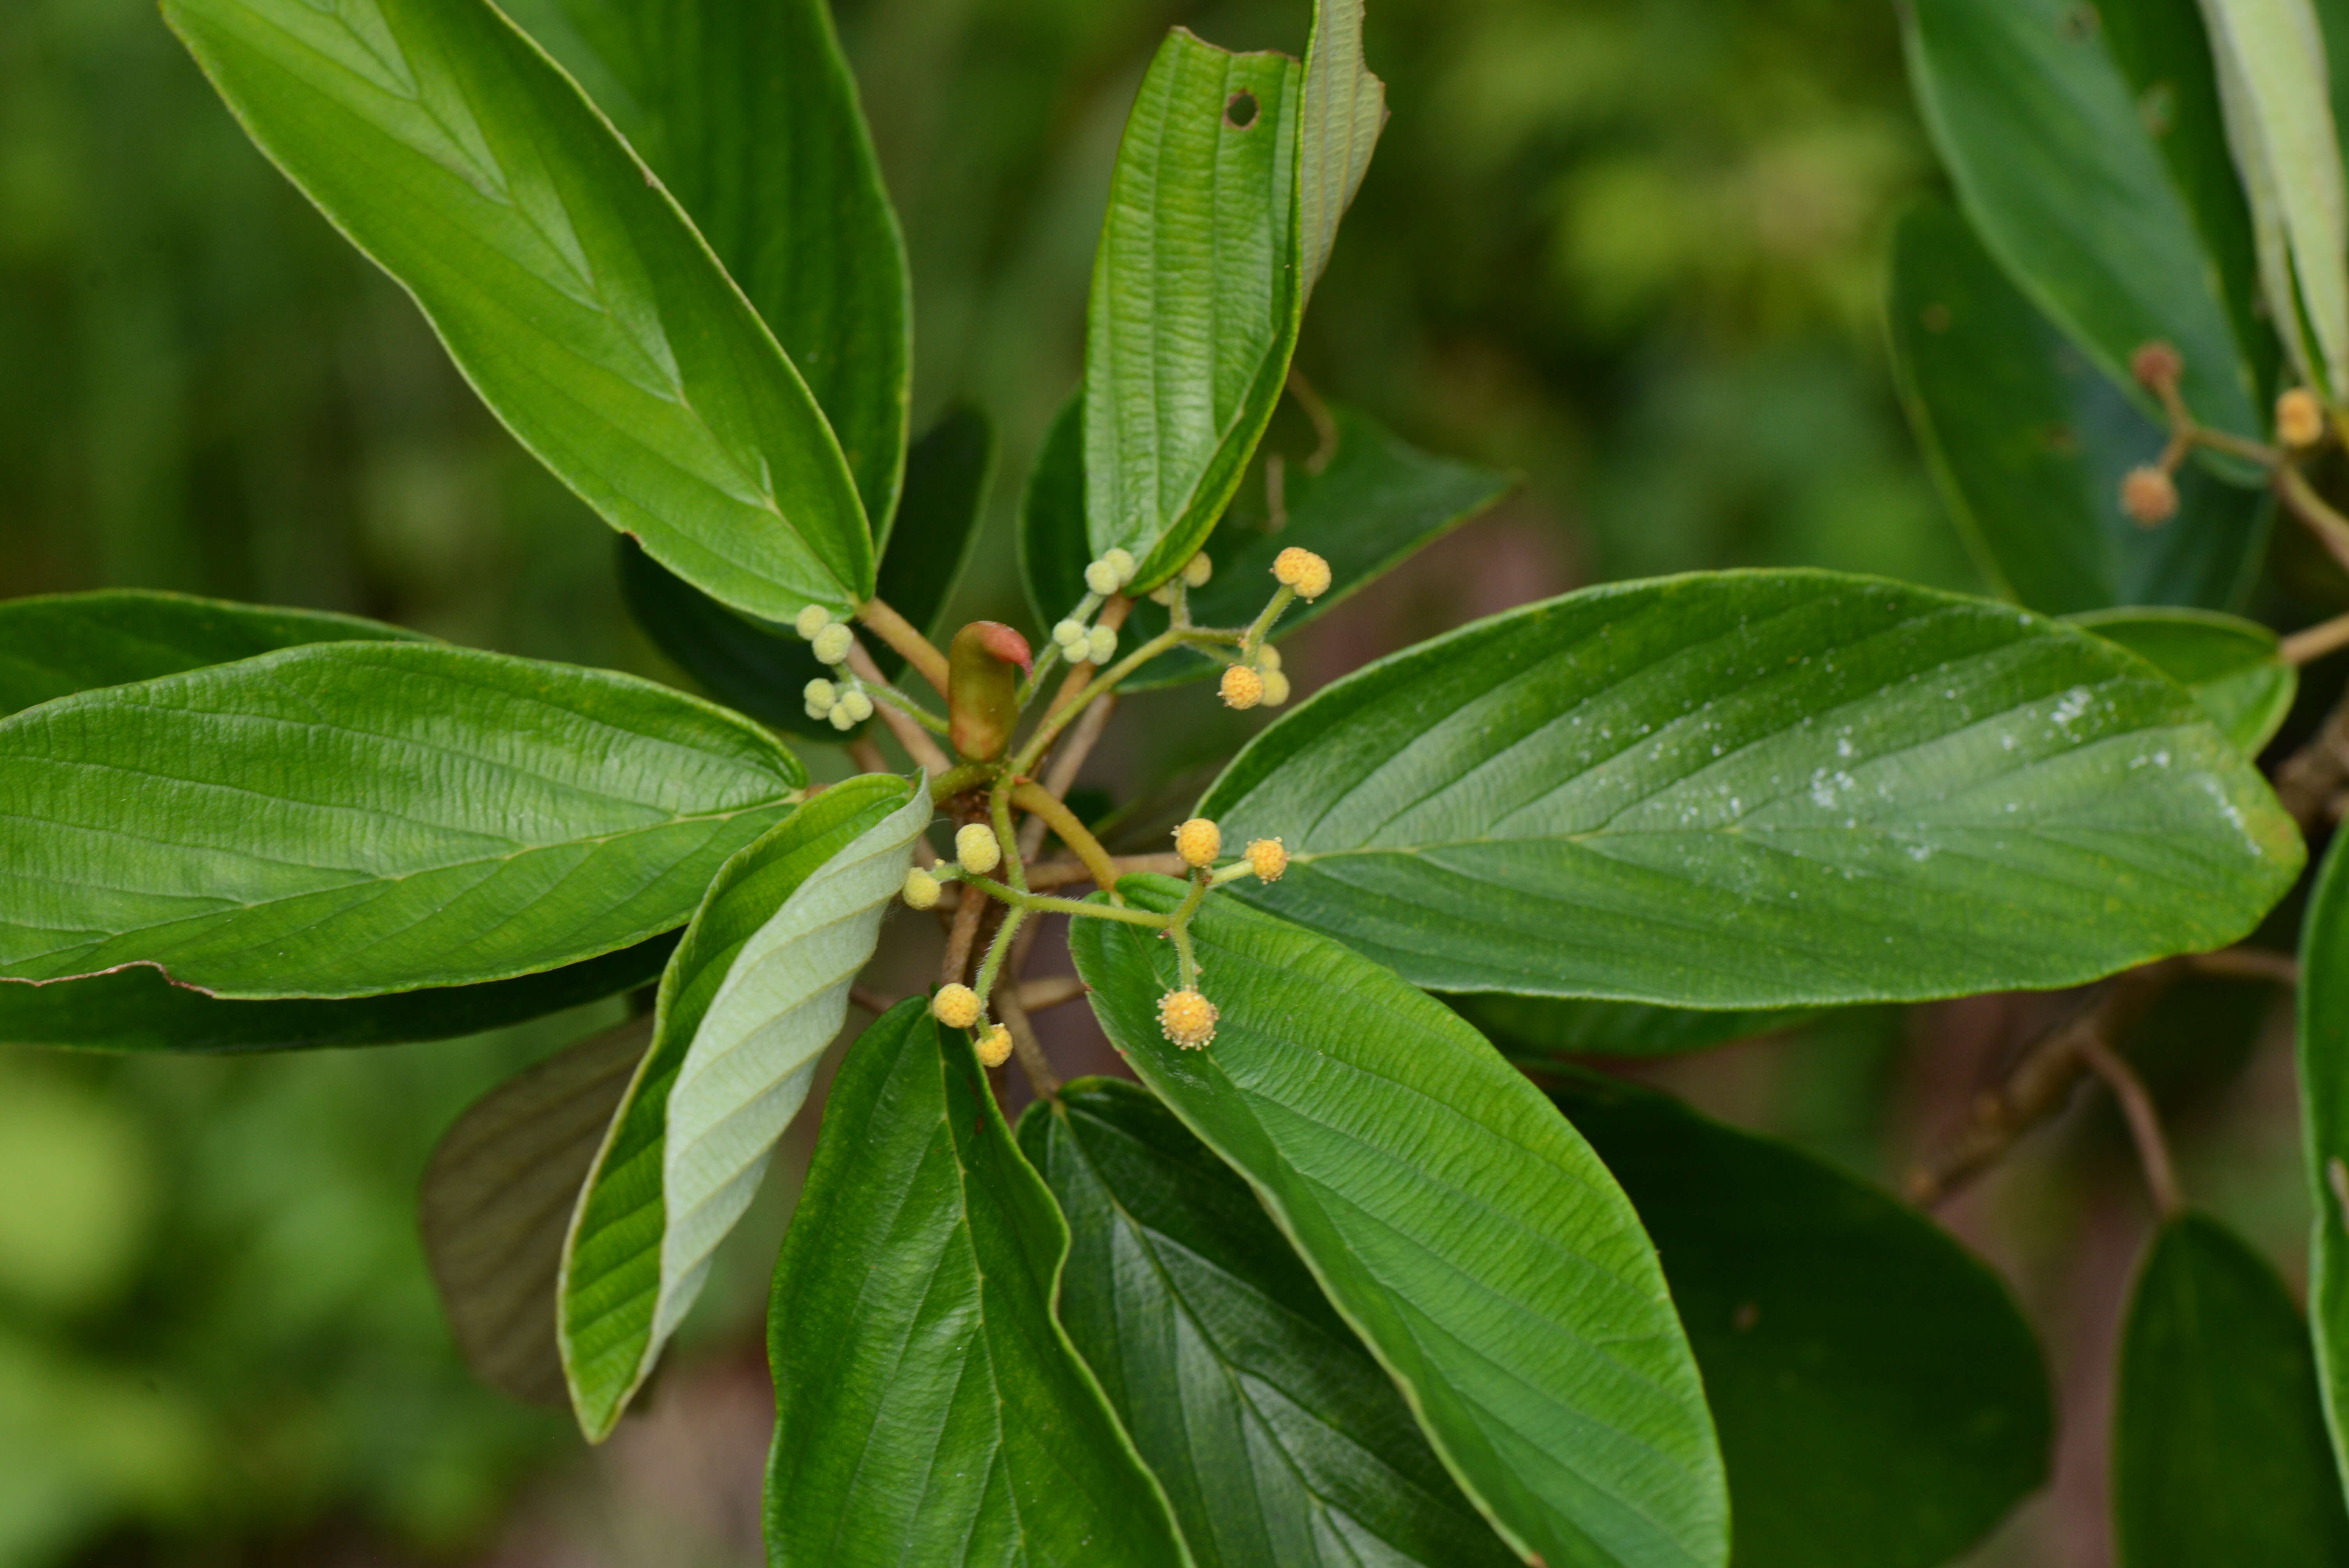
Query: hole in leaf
point(1241, 111)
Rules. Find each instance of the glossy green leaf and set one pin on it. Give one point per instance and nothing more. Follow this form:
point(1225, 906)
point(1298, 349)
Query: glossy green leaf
point(759, 667)
point(2322, 1017)
point(1280, 1440)
point(497, 1201)
point(2230, 664)
point(748, 113)
point(2028, 444)
point(138, 1009)
point(755, 992)
point(2054, 163)
point(54, 645)
point(928, 1408)
point(1760, 789)
point(2271, 84)
point(350, 818)
point(1052, 546)
point(1455, 1220)
point(1880, 1399)
point(2219, 1446)
point(1377, 502)
point(1194, 303)
point(1532, 1030)
point(567, 285)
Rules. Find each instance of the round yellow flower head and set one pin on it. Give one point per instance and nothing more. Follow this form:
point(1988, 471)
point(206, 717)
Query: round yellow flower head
point(995, 1047)
point(1242, 687)
point(859, 706)
point(812, 620)
point(1100, 645)
point(832, 644)
point(956, 1007)
point(921, 889)
point(1102, 578)
point(2300, 419)
point(843, 716)
point(2149, 496)
point(1300, 568)
point(976, 849)
point(1197, 569)
point(1199, 841)
point(1072, 635)
point(820, 693)
point(1123, 562)
point(1276, 688)
point(1187, 1018)
point(1266, 858)
point(1267, 658)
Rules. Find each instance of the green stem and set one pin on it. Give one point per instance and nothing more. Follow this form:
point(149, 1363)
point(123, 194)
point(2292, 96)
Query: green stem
point(993, 964)
point(1254, 637)
point(998, 812)
point(955, 780)
point(1036, 798)
point(882, 691)
point(1178, 926)
point(1045, 904)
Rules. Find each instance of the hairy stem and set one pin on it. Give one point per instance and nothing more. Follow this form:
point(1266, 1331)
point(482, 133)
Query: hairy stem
point(1179, 928)
point(997, 951)
point(917, 744)
point(900, 634)
point(1042, 903)
point(1060, 874)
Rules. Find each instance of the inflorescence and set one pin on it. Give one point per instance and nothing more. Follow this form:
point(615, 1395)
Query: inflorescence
point(1003, 776)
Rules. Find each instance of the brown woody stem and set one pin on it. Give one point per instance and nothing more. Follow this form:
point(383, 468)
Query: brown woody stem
point(899, 633)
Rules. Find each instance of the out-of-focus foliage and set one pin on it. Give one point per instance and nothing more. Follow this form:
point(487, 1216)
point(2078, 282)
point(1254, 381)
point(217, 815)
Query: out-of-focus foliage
point(1630, 248)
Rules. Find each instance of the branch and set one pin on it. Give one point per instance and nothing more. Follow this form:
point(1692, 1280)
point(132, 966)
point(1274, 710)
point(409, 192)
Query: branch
point(2144, 1125)
point(910, 736)
point(1033, 1062)
point(899, 633)
point(1061, 873)
point(2299, 497)
point(2307, 646)
point(1052, 991)
point(2040, 1085)
point(1046, 808)
point(2247, 964)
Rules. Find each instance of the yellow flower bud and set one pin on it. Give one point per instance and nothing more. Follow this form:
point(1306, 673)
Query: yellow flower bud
point(1197, 569)
point(1121, 561)
point(1266, 858)
point(1276, 688)
point(833, 643)
point(819, 711)
point(1187, 1018)
point(812, 620)
point(2300, 419)
point(1102, 578)
point(1242, 687)
point(1100, 645)
point(1070, 635)
point(859, 706)
point(956, 1007)
point(2149, 496)
point(976, 849)
point(1267, 658)
point(820, 693)
point(1163, 594)
point(922, 889)
point(1198, 841)
point(1299, 568)
point(840, 717)
point(995, 1047)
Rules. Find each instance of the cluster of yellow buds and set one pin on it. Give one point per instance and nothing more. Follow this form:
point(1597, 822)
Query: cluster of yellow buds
point(1112, 572)
point(993, 1046)
point(957, 1008)
point(1079, 642)
point(1185, 1017)
point(844, 706)
point(1258, 679)
point(830, 639)
point(1300, 568)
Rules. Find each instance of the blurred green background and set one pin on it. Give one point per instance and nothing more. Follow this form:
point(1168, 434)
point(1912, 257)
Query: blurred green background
point(1630, 249)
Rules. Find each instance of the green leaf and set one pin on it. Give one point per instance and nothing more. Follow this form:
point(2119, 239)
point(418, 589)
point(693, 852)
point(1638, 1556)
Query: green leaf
point(497, 1201)
point(1377, 502)
point(1194, 303)
point(755, 992)
point(138, 1009)
point(1537, 1030)
point(54, 645)
point(1454, 1219)
point(351, 818)
point(928, 1408)
point(1880, 1399)
point(1053, 550)
point(2230, 665)
point(2323, 1024)
point(748, 114)
point(1760, 789)
point(568, 286)
point(2028, 444)
point(759, 667)
point(1280, 1440)
point(2219, 1446)
point(2054, 163)
point(2279, 113)
point(1345, 107)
